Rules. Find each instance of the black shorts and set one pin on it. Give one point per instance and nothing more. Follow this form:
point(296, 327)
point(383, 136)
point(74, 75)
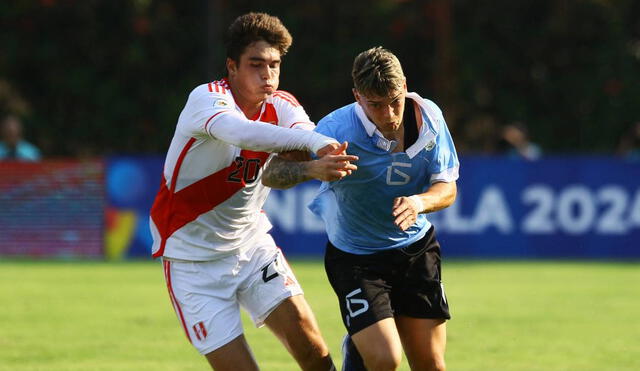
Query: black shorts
point(389, 283)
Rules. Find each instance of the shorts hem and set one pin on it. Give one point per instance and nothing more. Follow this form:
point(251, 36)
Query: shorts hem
point(259, 320)
point(360, 328)
point(219, 344)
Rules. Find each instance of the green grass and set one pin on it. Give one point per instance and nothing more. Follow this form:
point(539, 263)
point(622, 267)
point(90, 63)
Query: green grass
point(506, 316)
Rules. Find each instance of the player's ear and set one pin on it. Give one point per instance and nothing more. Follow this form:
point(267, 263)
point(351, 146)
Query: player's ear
point(232, 66)
point(356, 95)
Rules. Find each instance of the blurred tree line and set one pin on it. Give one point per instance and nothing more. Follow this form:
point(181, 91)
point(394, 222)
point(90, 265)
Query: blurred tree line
point(94, 77)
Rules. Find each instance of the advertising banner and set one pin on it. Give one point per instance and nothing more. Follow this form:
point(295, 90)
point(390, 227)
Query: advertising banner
point(52, 209)
point(556, 208)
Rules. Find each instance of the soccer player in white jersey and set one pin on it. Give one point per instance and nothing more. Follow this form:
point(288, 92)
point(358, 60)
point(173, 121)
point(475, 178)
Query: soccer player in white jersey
point(382, 258)
point(206, 220)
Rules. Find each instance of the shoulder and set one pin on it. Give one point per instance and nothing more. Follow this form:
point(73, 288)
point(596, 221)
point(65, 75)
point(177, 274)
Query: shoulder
point(340, 122)
point(431, 110)
point(343, 117)
point(216, 90)
point(426, 103)
point(284, 98)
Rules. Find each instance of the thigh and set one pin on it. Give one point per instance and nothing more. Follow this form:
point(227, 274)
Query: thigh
point(268, 281)
point(293, 321)
point(424, 341)
point(205, 306)
point(361, 285)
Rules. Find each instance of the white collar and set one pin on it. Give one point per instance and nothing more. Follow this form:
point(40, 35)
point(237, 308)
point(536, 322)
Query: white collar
point(369, 126)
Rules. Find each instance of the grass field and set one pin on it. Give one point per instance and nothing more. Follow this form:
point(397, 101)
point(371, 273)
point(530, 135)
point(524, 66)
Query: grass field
point(507, 316)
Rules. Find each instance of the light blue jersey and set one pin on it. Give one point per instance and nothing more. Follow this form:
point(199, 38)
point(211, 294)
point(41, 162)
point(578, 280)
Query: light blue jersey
point(357, 209)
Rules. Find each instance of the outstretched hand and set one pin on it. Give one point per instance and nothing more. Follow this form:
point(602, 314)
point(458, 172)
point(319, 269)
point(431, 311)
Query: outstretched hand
point(333, 149)
point(405, 211)
point(333, 164)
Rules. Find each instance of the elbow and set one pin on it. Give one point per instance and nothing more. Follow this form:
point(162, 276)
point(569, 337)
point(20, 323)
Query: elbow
point(453, 194)
point(448, 195)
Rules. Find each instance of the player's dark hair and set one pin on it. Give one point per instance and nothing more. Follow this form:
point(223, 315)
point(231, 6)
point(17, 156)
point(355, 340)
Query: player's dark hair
point(253, 27)
point(377, 72)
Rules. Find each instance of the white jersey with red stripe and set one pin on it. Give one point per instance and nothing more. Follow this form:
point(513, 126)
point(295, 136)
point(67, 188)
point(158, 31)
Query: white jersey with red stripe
point(209, 203)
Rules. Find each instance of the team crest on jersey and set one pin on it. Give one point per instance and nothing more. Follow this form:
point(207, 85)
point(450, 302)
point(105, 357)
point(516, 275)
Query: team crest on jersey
point(430, 145)
point(200, 330)
point(221, 103)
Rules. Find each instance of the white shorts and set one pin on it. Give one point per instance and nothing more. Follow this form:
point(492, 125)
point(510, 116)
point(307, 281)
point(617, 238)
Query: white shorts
point(207, 295)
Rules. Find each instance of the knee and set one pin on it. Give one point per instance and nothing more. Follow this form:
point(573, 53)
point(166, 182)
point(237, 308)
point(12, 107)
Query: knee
point(438, 365)
point(431, 364)
point(383, 360)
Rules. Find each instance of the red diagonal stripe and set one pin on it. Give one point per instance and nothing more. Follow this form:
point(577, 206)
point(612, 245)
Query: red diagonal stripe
point(171, 211)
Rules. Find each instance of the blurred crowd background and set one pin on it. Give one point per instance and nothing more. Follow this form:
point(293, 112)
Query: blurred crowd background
point(92, 77)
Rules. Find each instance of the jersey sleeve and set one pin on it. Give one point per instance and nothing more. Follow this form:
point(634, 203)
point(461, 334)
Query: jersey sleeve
point(326, 127)
point(202, 109)
point(291, 114)
point(446, 166)
point(213, 115)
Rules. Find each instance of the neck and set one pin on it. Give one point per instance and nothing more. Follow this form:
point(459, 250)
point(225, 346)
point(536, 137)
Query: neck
point(250, 107)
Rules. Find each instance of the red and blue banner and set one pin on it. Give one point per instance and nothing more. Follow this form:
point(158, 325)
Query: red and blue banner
point(52, 209)
point(558, 207)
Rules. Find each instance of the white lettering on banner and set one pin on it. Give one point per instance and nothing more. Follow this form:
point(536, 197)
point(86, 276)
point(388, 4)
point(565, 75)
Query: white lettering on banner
point(538, 220)
point(615, 200)
point(577, 210)
point(452, 220)
point(575, 198)
point(288, 210)
point(634, 212)
point(281, 209)
point(574, 209)
point(492, 211)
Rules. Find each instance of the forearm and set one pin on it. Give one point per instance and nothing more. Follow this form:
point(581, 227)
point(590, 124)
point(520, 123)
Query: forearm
point(439, 196)
point(283, 174)
point(233, 128)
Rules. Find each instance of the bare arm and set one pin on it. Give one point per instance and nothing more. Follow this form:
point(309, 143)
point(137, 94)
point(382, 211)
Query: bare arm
point(282, 174)
point(288, 169)
point(439, 196)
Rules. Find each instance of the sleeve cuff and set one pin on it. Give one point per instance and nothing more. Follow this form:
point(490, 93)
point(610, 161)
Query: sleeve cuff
point(449, 175)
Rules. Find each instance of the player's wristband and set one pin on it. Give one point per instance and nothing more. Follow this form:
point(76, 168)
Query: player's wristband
point(319, 142)
point(418, 201)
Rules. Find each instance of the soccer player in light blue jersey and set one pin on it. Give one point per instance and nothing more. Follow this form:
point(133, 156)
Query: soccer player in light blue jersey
point(382, 258)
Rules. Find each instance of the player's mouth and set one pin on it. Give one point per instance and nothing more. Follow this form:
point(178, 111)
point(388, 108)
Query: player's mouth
point(394, 125)
point(269, 89)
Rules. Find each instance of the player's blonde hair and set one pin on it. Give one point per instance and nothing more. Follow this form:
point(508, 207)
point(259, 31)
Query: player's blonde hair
point(377, 72)
point(252, 27)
